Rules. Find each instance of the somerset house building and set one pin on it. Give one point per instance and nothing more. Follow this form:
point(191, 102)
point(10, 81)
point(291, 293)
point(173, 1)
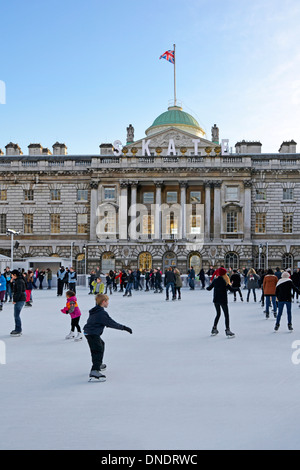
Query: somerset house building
point(175, 197)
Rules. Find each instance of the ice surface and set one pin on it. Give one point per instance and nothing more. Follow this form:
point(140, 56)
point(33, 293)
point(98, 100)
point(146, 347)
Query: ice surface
point(170, 385)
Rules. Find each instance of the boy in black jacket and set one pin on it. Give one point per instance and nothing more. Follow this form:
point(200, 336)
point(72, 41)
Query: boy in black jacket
point(93, 329)
point(284, 288)
point(19, 298)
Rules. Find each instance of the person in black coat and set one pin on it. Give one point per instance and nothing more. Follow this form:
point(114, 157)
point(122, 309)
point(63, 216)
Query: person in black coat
point(93, 329)
point(236, 284)
point(220, 299)
point(284, 289)
point(170, 281)
point(157, 281)
point(19, 298)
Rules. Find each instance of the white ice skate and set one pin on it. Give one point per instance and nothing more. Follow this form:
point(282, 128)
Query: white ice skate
point(70, 335)
point(78, 337)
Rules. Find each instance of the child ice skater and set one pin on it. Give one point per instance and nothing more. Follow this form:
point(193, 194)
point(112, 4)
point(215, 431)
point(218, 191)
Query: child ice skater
point(73, 310)
point(93, 329)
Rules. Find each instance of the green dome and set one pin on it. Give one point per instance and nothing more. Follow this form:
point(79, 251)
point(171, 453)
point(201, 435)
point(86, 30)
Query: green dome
point(177, 118)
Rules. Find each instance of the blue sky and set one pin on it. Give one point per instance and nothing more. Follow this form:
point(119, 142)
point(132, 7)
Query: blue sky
point(80, 71)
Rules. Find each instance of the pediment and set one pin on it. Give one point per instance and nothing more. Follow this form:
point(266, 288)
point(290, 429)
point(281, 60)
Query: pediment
point(180, 137)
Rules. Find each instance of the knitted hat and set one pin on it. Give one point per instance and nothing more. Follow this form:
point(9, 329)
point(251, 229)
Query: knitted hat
point(285, 275)
point(221, 271)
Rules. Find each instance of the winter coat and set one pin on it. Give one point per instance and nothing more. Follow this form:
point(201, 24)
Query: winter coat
point(2, 283)
point(220, 290)
point(284, 290)
point(72, 307)
point(170, 277)
point(178, 281)
point(19, 290)
point(269, 284)
point(98, 287)
point(98, 320)
point(235, 280)
point(252, 281)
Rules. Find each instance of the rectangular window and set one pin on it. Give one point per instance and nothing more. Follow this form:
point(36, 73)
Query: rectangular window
point(171, 197)
point(55, 223)
point(3, 194)
point(82, 194)
point(288, 194)
point(195, 197)
point(232, 222)
point(110, 225)
point(28, 194)
point(260, 223)
point(287, 223)
point(260, 194)
point(2, 223)
point(232, 193)
point(195, 224)
point(28, 223)
point(172, 224)
point(148, 224)
point(55, 194)
point(148, 198)
point(82, 223)
point(109, 193)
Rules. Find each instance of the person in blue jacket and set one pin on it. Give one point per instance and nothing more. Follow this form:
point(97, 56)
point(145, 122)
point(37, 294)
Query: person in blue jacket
point(93, 329)
point(2, 290)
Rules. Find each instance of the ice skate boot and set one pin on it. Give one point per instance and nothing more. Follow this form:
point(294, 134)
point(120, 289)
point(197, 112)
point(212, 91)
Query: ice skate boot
point(229, 333)
point(290, 327)
point(71, 335)
point(276, 328)
point(214, 331)
point(96, 376)
point(78, 337)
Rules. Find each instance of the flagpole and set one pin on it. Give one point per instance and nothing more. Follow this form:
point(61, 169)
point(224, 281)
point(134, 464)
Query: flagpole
point(174, 77)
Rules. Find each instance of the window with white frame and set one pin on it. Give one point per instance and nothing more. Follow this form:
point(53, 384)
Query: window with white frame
point(288, 194)
point(148, 224)
point(82, 223)
point(148, 198)
point(260, 194)
point(260, 222)
point(28, 223)
point(109, 193)
point(110, 222)
point(171, 197)
point(82, 194)
point(2, 223)
point(232, 222)
point(287, 223)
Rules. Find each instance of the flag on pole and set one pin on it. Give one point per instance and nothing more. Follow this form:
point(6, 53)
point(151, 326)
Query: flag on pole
point(169, 56)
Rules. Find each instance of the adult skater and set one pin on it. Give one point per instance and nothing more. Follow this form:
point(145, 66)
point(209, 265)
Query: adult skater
point(220, 285)
point(170, 281)
point(236, 284)
point(2, 290)
point(284, 289)
point(60, 280)
point(19, 298)
point(252, 283)
point(93, 329)
point(269, 288)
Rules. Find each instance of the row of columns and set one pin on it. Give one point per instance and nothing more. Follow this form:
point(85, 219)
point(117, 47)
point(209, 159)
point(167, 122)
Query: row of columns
point(209, 186)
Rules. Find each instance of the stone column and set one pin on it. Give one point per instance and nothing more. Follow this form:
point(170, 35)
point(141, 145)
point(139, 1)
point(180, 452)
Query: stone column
point(247, 210)
point(217, 209)
point(183, 187)
point(123, 210)
point(207, 234)
point(93, 210)
point(157, 214)
point(132, 210)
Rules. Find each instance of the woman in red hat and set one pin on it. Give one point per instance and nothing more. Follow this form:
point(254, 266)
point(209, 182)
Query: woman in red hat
point(221, 284)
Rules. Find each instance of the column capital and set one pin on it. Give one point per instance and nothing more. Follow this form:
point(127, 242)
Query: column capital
point(217, 183)
point(247, 183)
point(94, 184)
point(183, 184)
point(207, 183)
point(158, 184)
point(133, 183)
point(124, 184)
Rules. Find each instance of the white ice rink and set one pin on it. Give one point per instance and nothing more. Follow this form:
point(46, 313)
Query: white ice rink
point(170, 385)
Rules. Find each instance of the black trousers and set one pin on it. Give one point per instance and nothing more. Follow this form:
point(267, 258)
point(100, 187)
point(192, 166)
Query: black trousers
point(75, 324)
point(225, 311)
point(60, 286)
point(96, 345)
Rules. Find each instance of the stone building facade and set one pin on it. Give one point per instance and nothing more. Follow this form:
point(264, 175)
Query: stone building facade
point(171, 198)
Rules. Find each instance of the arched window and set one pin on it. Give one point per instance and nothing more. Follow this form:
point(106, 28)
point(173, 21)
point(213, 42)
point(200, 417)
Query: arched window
point(80, 263)
point(169, 260)
point(231, 260)
point(287, 261)
point(260, 262)
point(145, 261)
point(195, 261)
point(108, 262)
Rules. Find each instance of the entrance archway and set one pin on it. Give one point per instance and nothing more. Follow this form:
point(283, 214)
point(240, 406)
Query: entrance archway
point(169, 260)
